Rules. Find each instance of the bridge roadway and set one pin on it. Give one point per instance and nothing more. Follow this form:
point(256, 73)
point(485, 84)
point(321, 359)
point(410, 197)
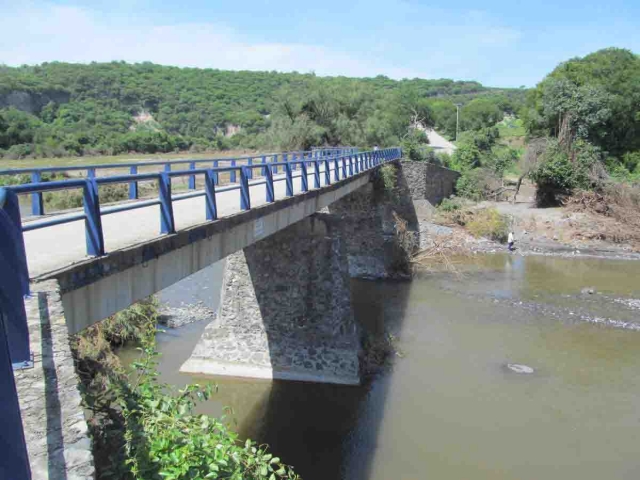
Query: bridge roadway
point(139, 261)
point(56, 247)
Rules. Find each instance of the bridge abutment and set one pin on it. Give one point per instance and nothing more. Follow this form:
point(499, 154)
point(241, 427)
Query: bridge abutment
point(285, 310)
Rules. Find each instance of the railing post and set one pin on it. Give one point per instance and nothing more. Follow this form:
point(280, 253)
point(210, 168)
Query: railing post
point(37, 206)
point(316, 176)
point(133, 186)
point(91, 173)
point(264, 169)
point(192, 178)
point(216, 180)
point(245, 198)
point(293, 159)
point(14, 461)
point(167, 167)
point(350, 166)
point(275, 167)
point(327, 172)
point(289, 180)
point(250, 170)
point(344, 167)
point(304, 177)
point(336, 169)
point(270, 193)
point(210, 195)
point(14, 279)
point(167, 224)
point(232, 174)
point(356, 162)
point(92, 221)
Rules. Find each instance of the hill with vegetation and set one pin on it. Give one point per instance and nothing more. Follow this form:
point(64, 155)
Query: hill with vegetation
point(585, 117)
point(60, 109)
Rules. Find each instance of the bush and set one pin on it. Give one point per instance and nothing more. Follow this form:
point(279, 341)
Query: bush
point(562, 171)
point(489, 223)
point(449, 205)
point(414, 146)
point(478, 184)
point(67, 199)
point(17, 152)
point(165, 439)
point(386, 177)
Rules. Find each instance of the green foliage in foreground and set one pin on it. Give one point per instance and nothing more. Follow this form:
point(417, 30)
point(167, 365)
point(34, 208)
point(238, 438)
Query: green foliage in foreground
point(165, 439)
point(145, 430)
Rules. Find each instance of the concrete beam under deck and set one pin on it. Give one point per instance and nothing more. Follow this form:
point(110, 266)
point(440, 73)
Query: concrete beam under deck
point(97, 288)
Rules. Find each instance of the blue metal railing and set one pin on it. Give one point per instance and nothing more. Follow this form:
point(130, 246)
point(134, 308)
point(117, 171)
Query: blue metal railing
point(37, 203)
point(92, 213)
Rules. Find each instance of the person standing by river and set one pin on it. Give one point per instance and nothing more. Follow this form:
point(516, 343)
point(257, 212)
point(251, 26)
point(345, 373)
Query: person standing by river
point(511, 241)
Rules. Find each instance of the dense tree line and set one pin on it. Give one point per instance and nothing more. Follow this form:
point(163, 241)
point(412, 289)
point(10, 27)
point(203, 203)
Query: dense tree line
point(586, 114)
point(58, 109)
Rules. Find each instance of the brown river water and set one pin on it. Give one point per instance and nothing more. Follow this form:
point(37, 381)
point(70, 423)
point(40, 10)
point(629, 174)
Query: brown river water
point(448, 408)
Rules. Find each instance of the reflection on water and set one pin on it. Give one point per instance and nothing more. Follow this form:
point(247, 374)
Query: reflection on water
point(449, 409)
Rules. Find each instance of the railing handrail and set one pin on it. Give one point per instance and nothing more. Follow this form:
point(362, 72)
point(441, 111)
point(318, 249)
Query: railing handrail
point(37, 203)
point(344, 166)
point(145, 163)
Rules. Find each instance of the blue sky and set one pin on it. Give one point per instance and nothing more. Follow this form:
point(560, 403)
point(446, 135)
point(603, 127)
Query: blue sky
point(499, 43)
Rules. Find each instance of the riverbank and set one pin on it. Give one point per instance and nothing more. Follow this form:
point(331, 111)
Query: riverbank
point(559, 231)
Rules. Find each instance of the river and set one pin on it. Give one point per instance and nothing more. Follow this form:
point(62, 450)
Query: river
point(448, 408)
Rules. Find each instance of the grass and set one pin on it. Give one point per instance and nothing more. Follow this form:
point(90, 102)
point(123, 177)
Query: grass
point(108, 159)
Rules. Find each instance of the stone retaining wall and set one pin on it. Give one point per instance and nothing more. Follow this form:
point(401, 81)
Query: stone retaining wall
point(55, 429)
point(430, 182)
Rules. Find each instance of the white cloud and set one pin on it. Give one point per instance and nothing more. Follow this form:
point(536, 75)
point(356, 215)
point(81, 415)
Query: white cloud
point(33, 35)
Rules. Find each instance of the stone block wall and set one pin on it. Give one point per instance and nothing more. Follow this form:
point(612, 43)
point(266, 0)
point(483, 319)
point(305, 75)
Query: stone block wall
point(285, 311)
point(430, 182)
point(53, 419)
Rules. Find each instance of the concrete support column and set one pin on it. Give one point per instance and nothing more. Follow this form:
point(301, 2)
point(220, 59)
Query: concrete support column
point(285, 311)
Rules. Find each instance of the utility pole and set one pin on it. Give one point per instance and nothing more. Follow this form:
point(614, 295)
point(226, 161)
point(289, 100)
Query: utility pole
point(458, 105)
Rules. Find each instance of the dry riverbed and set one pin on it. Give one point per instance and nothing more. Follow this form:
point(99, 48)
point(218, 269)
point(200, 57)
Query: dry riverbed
point(557, 231)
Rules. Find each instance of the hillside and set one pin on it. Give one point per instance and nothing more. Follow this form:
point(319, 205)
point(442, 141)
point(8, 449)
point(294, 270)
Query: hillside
point(59, 108)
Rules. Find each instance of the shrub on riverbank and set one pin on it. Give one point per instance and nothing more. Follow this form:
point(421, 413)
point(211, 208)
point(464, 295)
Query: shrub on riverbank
point(489, 223)
point(145, 430)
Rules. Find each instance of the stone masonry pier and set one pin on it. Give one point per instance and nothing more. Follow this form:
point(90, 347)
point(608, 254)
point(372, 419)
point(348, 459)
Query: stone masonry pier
point(285, 311)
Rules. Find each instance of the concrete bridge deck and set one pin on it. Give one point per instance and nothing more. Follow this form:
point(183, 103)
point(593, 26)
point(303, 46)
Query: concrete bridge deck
point(54, 248)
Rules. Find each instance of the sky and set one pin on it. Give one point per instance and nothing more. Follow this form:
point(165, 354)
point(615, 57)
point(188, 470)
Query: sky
point(498, 43)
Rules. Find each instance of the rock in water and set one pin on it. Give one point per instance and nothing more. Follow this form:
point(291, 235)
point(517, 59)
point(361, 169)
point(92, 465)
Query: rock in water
point(516, 367)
